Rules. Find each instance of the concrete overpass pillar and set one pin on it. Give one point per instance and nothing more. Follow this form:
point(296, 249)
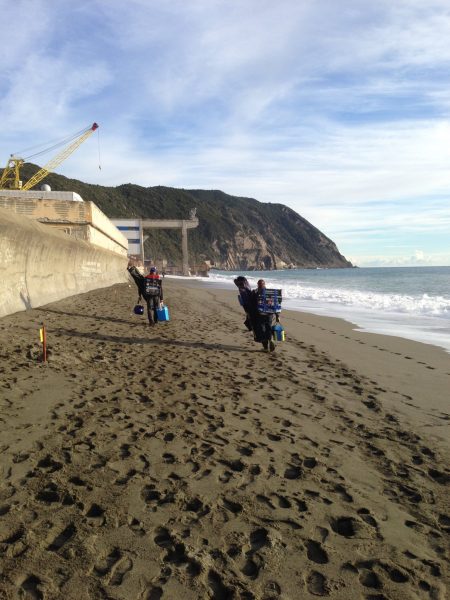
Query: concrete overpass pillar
point(184, 225)
point(184, 248)
point(141, 240)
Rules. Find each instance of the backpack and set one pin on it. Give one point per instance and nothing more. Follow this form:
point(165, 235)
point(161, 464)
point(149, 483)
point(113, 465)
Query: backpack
point(152, 286)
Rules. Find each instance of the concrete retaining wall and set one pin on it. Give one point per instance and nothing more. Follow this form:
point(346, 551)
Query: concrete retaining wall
point(39, 265)
point(90, 234)
point(66, 214)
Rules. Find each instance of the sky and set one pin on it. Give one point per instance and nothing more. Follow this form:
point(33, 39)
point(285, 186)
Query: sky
point(339, 109)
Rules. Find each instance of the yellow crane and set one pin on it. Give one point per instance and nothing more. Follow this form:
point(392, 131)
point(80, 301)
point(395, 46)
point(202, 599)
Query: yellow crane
point(11, 174)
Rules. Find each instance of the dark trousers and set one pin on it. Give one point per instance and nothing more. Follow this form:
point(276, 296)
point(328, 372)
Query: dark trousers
point(152, 306)
point(262, 328)
point(248, 322)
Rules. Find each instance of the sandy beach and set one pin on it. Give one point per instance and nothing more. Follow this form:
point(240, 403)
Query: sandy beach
point(182, 462)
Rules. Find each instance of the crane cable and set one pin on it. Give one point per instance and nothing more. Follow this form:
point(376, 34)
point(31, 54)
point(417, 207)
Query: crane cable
point(99, 159)
point(55, 144)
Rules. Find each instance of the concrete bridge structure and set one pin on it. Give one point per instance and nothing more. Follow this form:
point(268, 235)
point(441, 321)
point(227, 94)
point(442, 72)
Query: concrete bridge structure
point(184, 225)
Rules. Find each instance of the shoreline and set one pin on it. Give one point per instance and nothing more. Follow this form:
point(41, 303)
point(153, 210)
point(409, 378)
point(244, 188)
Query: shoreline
point(367, 322)
point(182, 462)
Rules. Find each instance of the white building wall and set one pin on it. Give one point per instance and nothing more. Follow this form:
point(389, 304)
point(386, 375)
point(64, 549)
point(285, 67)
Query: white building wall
point(131, 229)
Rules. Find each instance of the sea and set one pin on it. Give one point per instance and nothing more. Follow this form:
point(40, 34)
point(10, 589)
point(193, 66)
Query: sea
point(408, 302)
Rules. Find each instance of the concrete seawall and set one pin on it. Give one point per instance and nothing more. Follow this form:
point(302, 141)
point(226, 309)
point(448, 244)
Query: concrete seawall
point(39, 265)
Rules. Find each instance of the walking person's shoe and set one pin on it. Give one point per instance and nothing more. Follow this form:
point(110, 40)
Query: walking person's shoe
point(265, 345)
point(271, 346)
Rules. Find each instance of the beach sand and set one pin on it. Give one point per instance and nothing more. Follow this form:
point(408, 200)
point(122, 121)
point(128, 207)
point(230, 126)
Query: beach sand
point(182, 462)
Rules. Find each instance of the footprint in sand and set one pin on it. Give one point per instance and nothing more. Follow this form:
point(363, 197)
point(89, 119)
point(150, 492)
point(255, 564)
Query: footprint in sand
point(104, 566)
point(282, 501)
point(345, 526)
point(155, 593)
point(234, 507)
point(340, 489)
point(119, 570)
point(95, 515)
point(62, 538)
point(316, 553)
point(219, 590)
point(32, 588)
point(370, 579)
point(365, 515)
point(317, 584)
point(293, 472)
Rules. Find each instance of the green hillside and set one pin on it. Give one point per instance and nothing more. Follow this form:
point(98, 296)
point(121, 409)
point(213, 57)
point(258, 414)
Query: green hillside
point(233, 232)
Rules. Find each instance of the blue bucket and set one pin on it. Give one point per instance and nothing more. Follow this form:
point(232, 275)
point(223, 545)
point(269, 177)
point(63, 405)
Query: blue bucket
point(278, 333)
point(163, 313)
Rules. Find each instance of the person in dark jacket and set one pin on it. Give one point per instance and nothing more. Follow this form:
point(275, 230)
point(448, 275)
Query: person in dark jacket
point(245, 299)
point(262, 323)
point(150, 288)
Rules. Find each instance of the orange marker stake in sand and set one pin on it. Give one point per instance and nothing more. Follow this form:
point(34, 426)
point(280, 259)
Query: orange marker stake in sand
point(43, 337)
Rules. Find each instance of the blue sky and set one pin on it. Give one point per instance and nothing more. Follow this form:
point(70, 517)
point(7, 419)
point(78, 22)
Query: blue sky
point(338, 109)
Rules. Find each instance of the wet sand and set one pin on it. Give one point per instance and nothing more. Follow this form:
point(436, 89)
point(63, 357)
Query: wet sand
point(183, 462)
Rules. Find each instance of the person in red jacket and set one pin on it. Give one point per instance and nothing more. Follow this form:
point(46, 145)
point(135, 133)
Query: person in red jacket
point(150, 288)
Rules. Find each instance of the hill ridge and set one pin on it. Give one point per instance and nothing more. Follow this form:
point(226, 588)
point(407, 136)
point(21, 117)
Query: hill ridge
point(234, 232)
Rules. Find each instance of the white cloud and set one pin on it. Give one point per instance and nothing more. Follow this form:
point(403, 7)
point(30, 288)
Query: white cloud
point(421, 260)
point(44, 93)
point(24, 24)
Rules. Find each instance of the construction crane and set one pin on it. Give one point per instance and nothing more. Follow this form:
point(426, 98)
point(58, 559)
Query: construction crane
point(11, 174)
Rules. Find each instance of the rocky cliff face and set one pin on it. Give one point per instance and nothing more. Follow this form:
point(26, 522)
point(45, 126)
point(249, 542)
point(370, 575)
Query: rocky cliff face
point(234, 233)
point(254, 251)
point(257, 236)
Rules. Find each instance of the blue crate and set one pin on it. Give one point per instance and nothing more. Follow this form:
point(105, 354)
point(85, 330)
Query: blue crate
point(269, 301)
